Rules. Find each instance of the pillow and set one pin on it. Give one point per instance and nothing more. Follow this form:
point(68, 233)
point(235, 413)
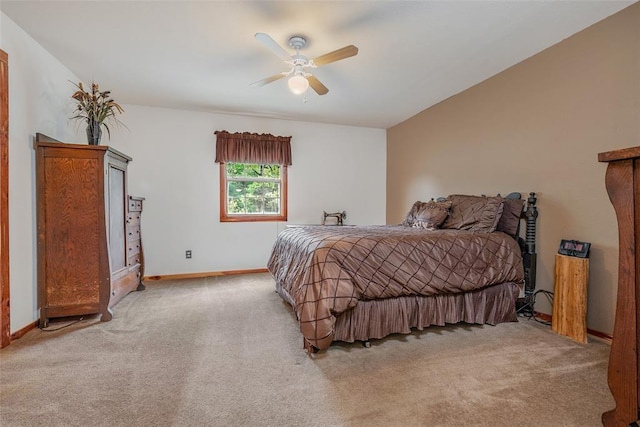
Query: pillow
point(411, 215)
point(428, 214)
point(431, 215)
point(474, 213)
point(510, 219)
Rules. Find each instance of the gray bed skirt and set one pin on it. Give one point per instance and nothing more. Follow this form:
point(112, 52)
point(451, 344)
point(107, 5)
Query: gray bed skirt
point(376, 319)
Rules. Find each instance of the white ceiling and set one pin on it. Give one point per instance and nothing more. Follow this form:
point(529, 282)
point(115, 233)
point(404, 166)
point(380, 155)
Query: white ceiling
point(203, 55)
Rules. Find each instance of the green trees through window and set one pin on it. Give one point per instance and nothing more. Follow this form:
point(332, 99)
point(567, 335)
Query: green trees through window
point(253, 189)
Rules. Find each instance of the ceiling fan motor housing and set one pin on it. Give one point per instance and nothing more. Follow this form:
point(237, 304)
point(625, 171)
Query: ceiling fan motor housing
point(297, 42)
point(299, 60)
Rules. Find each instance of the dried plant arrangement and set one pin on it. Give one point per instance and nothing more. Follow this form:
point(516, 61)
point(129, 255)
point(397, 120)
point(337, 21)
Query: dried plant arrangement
point(97, 109)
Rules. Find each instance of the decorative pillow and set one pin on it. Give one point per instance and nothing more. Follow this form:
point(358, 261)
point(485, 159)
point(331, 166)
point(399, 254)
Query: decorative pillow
point(474, 213)
point(411, 215)
point(431, 215)
point(427, 213)
point(510, 218)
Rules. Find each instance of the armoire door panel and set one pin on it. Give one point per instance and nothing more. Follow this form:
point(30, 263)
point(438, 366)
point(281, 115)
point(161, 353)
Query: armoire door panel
point(73, 204)
point(117, 212)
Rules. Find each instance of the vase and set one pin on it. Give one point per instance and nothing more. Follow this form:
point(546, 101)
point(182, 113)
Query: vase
point(94, 132)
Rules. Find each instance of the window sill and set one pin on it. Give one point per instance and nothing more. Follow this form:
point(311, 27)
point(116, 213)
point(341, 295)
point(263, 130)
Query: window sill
point(253, 218)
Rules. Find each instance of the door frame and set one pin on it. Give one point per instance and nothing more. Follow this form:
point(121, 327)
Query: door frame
point(5, 318)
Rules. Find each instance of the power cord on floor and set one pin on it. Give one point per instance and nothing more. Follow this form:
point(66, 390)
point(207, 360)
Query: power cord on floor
point(527, 309)
point(62, 327)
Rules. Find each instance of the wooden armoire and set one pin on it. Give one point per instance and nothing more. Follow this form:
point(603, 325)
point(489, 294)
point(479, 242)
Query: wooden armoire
point(89, 245)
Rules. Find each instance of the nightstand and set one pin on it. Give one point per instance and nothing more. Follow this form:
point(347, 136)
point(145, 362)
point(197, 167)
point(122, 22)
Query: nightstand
point(570, 297)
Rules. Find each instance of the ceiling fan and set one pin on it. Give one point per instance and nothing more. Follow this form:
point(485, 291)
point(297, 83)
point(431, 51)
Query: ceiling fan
point(300, 79)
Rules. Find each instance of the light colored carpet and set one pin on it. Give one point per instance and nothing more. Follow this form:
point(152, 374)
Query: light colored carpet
point(227, 351)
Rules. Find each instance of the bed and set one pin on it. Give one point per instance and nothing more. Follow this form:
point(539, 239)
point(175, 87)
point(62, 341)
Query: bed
point(458, 259)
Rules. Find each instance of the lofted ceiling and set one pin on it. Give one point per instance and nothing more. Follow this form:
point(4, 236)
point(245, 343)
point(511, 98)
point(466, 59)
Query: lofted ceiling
point(203, 55)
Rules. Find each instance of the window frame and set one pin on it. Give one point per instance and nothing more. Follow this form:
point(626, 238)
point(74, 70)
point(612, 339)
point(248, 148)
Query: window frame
point(225, 217)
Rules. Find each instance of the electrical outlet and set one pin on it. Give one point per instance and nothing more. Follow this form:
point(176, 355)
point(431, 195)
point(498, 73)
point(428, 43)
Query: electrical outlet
point(188, 254)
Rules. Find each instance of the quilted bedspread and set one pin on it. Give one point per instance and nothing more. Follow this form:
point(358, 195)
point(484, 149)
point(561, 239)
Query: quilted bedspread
point(327, 270)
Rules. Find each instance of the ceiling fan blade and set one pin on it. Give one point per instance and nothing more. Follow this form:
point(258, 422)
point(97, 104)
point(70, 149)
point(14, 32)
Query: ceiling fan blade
point(273, 46)
point(267, 80)
point(336, 55)
point(317, 86)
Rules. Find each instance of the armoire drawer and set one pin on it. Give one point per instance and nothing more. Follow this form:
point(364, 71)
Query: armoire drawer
point(133, 248)
point(135, 205)
point(133, 218)
point(133, 260)
point(133, 232)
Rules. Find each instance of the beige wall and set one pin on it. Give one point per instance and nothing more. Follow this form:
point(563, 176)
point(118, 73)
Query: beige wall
point(537, 126)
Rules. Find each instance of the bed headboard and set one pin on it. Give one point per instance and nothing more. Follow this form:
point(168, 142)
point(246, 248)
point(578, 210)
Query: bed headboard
point(528, 246)
point(529, 256)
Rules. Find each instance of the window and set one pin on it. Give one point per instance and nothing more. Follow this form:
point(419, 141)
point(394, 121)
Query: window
point(253, 192)
point(253, 176)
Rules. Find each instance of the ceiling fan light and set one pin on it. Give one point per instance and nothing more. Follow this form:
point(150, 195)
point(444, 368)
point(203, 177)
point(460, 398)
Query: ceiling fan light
point(298, 84)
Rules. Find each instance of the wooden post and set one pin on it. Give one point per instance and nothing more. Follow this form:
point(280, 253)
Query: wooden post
point(570, 297)
point(623, 186)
